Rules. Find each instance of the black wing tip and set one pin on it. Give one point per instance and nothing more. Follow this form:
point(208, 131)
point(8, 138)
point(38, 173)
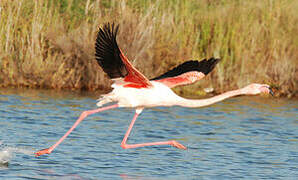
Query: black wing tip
point(110, 29)
point(205, 66)
point(107, 35)
point(107, 52)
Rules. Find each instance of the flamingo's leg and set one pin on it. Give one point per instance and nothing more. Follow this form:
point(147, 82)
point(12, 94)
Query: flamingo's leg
point(82, 116)
point(127, 146)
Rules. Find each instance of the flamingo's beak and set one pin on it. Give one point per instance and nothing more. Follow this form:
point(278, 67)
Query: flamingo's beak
point(270, 91)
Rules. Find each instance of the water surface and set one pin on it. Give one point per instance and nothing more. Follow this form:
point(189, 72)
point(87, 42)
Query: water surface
point(243, 137)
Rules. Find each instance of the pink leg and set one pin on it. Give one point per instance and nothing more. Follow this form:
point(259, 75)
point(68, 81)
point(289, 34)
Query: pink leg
point(82, 116)
point(127, 146)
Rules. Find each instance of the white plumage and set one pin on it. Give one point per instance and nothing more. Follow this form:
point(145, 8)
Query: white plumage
point(144, 97)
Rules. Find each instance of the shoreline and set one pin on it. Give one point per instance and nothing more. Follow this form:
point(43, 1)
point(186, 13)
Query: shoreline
point(96, 93)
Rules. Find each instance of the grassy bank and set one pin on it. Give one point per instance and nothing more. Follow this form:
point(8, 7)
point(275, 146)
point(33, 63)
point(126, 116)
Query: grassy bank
point(50, 43)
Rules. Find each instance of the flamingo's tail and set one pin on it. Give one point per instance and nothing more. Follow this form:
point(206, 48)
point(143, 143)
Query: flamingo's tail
point(104, 99)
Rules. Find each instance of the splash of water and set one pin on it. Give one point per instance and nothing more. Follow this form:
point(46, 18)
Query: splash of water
point(7, 152)
point(5, 155)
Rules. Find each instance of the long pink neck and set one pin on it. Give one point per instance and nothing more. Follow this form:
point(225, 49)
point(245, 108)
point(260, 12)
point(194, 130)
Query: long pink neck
point(205, 102)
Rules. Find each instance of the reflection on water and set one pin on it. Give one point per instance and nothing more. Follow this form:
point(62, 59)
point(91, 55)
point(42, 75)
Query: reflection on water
point(244, 137)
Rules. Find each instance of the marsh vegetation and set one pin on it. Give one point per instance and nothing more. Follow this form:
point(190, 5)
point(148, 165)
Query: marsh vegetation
point(50, 43)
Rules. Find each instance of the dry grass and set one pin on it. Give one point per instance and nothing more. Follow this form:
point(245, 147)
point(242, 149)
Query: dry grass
point(50, 43)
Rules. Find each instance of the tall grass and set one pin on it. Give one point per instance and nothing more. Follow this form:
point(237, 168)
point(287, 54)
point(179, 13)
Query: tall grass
point(50, 43)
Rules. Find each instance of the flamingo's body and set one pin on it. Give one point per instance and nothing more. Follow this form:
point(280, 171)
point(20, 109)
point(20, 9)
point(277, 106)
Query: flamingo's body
point(133, 90)
point(138, 98)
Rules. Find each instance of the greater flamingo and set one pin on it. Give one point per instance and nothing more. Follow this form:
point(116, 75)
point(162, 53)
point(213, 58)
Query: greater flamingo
point(133, 90)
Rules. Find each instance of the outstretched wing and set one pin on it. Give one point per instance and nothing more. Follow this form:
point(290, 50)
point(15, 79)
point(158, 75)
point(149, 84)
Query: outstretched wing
point(112, 60)
point(187, 73)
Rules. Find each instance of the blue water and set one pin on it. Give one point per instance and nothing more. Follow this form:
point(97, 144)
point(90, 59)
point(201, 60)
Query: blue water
point(240, 138)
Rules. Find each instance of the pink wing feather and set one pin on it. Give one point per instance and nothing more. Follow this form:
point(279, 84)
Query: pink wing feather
point(187, 73)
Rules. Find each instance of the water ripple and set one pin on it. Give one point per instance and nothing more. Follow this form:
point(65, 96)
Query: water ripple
point(241, 138)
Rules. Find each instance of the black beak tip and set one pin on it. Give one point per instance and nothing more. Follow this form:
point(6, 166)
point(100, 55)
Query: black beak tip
point(270, 91)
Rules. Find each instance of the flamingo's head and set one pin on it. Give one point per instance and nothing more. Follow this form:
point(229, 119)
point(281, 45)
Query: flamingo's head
point(255, 88)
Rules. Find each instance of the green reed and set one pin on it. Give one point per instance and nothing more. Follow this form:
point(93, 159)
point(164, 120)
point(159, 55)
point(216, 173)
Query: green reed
point(50, 43)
